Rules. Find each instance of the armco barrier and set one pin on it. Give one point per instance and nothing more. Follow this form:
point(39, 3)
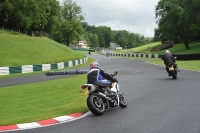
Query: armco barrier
point(186, 56)
point(135, 55)
point(43, 67)
point(142, 55)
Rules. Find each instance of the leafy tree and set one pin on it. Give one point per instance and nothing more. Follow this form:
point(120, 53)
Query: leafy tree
point(106, 34)
point(193, 16)
point(29, 14)
point(6, 8)
point(178, 20)
point(93, 40)
point(101, 39)
point(53, 16)
point(122, 38)
point(71, 22)
point(131, 39)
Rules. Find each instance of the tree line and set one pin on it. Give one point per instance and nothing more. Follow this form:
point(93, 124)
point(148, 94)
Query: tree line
point(101, 36)
point(178, 21)
point(64, 22)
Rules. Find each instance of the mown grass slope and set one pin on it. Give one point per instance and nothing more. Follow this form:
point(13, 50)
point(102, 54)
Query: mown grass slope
point(177, 49)
point(141, 49)
point(25, 50)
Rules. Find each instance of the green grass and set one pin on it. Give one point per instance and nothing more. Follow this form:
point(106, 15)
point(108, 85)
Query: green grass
point(189, 65)
point(43, 100)
point(9, 32)
point(180, 49)
point(140, 49)
point(23, 50)
point(177, 49)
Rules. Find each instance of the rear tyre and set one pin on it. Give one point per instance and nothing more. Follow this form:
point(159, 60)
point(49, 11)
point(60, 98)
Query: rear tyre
point(95, 105)
point(174, 75)
point(122, 100)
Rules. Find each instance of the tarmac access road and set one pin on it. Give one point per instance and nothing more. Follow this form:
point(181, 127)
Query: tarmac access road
point(156, 103)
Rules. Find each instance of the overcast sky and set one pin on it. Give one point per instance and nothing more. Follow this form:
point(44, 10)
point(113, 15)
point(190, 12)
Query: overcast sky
point(135, 16)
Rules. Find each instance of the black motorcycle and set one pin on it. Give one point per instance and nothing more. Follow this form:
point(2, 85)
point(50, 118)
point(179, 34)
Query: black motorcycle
point(172, 69)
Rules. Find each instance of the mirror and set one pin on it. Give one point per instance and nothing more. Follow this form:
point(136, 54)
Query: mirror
point(115, 73)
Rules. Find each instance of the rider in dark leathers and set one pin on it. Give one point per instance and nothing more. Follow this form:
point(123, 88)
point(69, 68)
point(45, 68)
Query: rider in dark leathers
point(169, 58)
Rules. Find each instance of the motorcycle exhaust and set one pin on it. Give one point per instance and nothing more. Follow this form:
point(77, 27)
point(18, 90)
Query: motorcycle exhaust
point(103, 95)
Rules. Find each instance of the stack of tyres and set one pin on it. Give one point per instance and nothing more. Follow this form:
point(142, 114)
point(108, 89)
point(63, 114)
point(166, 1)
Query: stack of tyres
point(66, 72)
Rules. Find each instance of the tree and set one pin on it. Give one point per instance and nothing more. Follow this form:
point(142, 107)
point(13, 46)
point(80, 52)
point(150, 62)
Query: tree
point(71, 22)
point(131, 39)
point(29, 14)
point(101, 39)
point(93, 40)
point(53, 16)
point(106, 31)
point(178, 20)
point(122, 38)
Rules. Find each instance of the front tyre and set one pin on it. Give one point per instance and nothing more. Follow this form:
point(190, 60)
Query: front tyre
point(95, 105)
point(122, 100)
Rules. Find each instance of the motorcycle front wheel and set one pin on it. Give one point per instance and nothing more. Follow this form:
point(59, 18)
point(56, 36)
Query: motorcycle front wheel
point(122, 100)
point(95, 105)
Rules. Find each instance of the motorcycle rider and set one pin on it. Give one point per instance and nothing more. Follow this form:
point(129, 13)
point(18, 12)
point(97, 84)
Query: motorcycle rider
point(96, 76)
point(169, 58)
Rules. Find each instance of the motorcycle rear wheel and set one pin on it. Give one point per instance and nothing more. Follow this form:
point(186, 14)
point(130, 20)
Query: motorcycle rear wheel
point(95, 105)
point(122, 100)
point(174, 75)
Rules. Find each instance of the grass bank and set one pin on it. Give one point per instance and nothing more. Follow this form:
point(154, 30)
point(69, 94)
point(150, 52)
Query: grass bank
point(24, 50)
point(141, 49)
point(177, 49)
point(42, 100)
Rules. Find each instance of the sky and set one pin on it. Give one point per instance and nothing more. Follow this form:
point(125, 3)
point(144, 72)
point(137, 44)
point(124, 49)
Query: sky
point(135, 16)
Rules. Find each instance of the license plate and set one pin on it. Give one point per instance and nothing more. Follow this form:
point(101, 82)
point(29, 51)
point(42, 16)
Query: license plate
point(84, 91)
point(171, 68)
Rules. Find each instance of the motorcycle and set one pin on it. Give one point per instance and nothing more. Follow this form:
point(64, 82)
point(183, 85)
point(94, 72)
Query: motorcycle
point(101, 99)
point(107, 54)
point(172, 69)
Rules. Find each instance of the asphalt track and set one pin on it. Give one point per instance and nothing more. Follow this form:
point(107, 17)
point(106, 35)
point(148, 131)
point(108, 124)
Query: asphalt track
point(156, 103)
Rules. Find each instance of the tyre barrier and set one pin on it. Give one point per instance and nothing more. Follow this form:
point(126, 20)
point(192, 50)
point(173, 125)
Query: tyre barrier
point(65, 72)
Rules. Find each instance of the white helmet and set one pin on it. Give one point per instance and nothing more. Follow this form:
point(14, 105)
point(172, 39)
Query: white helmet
point(167, 52)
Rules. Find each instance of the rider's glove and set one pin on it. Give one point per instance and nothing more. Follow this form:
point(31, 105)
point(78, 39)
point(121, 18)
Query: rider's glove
point(114, 80)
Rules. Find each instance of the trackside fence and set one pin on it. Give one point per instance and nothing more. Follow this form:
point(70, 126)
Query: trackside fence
point(7, 70)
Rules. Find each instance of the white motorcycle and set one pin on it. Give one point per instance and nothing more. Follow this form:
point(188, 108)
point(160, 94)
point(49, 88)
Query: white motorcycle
point(101, 99)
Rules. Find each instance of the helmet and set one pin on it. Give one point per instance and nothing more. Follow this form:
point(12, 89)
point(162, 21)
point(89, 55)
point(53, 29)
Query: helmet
point(94, 64)
point(167, 52)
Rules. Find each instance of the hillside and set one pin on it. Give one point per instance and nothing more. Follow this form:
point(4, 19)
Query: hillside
point(140, 49)
point(24, 50)
point(177, 49)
